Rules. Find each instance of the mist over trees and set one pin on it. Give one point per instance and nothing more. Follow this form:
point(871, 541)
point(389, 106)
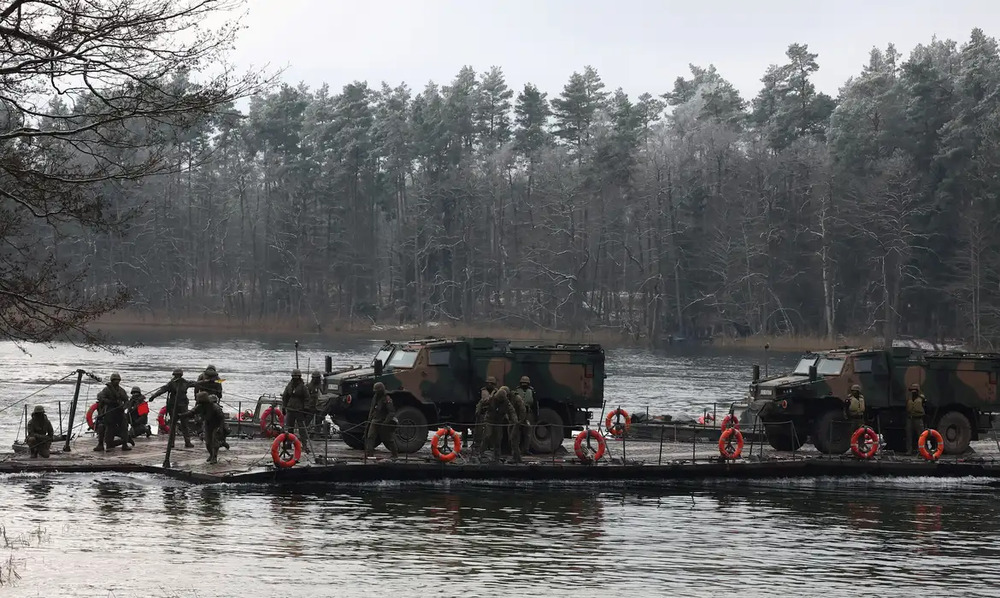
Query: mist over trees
point(688, 210)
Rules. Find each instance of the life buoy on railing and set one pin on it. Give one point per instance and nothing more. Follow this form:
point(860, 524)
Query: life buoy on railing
point(621, 425)
point(856, 442)
point(706, 418)
point(730, 421)
point(280, 450)
point(90, 415)
point(726, 444)
point(161, 421)
point(578, 446)
point(267, 426)
point(928, 434)
point(437, 445)
point(244, 416)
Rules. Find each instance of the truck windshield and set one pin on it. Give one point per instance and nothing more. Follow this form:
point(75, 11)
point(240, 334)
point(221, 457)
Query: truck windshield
point(829, 367)
point(804, 363)
point(402, 358)
point(383, 354)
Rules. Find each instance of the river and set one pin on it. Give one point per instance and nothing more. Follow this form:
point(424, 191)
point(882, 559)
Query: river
point(123, 536)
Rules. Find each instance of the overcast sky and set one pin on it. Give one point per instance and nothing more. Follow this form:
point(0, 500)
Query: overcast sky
point(639, 45)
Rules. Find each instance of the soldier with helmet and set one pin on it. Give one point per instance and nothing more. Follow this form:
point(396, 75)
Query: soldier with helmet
point(206, 406)
point(527, 396)
point(855, 403)
point(514, 427)
point(501, 416)
point(481, 433)
point(381, 423)
point(916, 405)
point(138, 415)
point(210, 382)
point(39, 433)
point(314, 388)
point(112, 402)
point(176, 391)
point(293, 403)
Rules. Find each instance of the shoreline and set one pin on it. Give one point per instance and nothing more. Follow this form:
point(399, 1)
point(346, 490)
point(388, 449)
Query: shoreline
point(610, 338)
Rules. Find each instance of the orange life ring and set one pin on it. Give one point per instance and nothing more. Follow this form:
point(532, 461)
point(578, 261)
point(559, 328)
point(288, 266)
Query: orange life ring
point(578, 446)
point(938, 450)
point(617, 428)
point(276, 450)
point(244, 416)
point(706, 418)
point(90, 415)
point(730, 421)
point(872, 441)
point(726, 447)
point(436, 446)
point(161, 421)
point(266, 427)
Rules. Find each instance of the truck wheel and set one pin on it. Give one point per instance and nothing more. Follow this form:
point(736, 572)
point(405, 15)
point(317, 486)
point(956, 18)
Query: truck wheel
point(411, 432)
point(780, 437)
point(547, 433)
point(957, 432)
point(353, 435)
point(830, 435)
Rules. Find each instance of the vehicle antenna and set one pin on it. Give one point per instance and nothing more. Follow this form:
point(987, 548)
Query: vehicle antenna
point(766, 347)
point(296, 354)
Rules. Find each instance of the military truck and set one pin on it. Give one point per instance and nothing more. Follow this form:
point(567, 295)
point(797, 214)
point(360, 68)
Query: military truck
point(437, 381)
point(808, 403)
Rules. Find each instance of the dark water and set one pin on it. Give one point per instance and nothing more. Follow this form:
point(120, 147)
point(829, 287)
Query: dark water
point(108, 535)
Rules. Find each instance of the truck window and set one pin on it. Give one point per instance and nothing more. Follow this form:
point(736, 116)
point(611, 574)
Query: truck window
point(804, 363)
point(829, 367)
point(402, 358)
point(439, 357)
point(863, 365)
point(383, 355)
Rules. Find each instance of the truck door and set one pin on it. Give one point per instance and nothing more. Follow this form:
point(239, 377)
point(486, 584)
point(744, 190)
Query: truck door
point(449, 367)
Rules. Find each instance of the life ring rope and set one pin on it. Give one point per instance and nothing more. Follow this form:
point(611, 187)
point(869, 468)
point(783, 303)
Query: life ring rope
point(439, 444)
point(935, 436)
point(579, 447)
point(279, 450)
point(90, 415)
point(161, 421)
point(872, 441)
point(726, 447)
point(267, 426)
point(617, 422)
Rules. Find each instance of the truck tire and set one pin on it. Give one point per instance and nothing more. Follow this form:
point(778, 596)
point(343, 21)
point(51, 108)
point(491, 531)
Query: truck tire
point(780, 437)
point(957, 432)
point(411, 431)
point(830, 434)
point(353, 435)
point(547, 433)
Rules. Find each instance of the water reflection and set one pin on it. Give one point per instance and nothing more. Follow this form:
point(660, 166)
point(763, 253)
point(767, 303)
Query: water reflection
point(39, 490)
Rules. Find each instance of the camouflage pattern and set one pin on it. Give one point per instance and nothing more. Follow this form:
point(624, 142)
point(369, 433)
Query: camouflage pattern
point(207, 408)
point(293, 404)
point(445, 377)
point(500, 418)
point(381, 427)
point(176, 391)
point(39, 433)
point(113, 401)
point(961, 386)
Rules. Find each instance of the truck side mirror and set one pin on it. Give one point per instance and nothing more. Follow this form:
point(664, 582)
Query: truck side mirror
point(756, 372)
point(378, 367)
point(812, 373)
point(328, 364)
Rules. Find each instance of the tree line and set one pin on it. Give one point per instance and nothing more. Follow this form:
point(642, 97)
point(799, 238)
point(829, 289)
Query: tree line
point(689, 213)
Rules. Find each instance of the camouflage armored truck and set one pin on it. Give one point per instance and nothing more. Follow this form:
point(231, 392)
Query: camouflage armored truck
point(808, 403)
point(434, 382)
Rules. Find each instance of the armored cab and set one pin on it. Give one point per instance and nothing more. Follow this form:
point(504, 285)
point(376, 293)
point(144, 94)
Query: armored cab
point(437, 381)
point(808, 404)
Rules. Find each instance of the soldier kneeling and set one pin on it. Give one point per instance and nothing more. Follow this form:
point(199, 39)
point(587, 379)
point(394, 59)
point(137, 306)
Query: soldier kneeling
point(39, 433)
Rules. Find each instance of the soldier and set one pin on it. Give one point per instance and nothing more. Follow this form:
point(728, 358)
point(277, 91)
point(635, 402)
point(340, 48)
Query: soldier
point(139, 422)
point(915, 411)
point(210, 382)
point(381, 423)
point(293, 403)
point(515, 427)
point(207, 407)
point(314, 387)
point(481, 434)
point(113, 401)
point(176, 391)
point(527, 395)
point(855, 408)
point(39, 433)
point(499, 415)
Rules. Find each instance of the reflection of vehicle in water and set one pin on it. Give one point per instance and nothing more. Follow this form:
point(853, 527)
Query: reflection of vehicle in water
point(437, 381)
point(808, 403)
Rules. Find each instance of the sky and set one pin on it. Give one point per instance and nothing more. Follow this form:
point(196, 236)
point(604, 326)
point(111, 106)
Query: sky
point(638, 45)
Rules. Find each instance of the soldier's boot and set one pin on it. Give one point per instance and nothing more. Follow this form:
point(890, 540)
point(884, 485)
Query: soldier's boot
point(125, 446)
point(99, 448)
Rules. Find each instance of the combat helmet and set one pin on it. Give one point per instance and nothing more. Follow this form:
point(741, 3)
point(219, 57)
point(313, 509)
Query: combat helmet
point(491, 379)
point(296, 373)
point(378, 387)
point(178, 373)
point(38, 410)
point(202, 396)
point(115, 377)
point(856, 387)
point(525, 380)
point(136, 390)
point(316, 374)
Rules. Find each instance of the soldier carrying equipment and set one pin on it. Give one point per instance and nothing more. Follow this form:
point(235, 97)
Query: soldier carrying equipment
point(207, 407)
point(176, 391)
point(526, 395)
point(856, 407)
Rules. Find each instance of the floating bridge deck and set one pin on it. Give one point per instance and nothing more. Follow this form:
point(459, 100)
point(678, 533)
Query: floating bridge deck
point(634, 460)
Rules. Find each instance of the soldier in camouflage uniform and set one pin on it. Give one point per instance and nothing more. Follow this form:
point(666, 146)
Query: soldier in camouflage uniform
point(39, 433)
point(293, 402)
point(314, 387)
point(207, 407)
point(915, 412)
point(500, 416)
point(210, 382)
point(515, 426)
point(527, 396)
point(113, 402)
point(481, 433)
point(176, 391)
point(855, 403)
point(381, 423)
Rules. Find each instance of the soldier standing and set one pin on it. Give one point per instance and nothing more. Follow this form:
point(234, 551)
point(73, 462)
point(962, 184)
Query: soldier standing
point(527, 396)
point(515, 426)
point(855, 408)
point(113, 401)
point(207, 407)
point(293, 403)
point(481, 433)
point(176, 391)
point(210, 383)
point(915, 411)
point(381, 423)
point(314, 387)
point(499, 415)
point(39, 433)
